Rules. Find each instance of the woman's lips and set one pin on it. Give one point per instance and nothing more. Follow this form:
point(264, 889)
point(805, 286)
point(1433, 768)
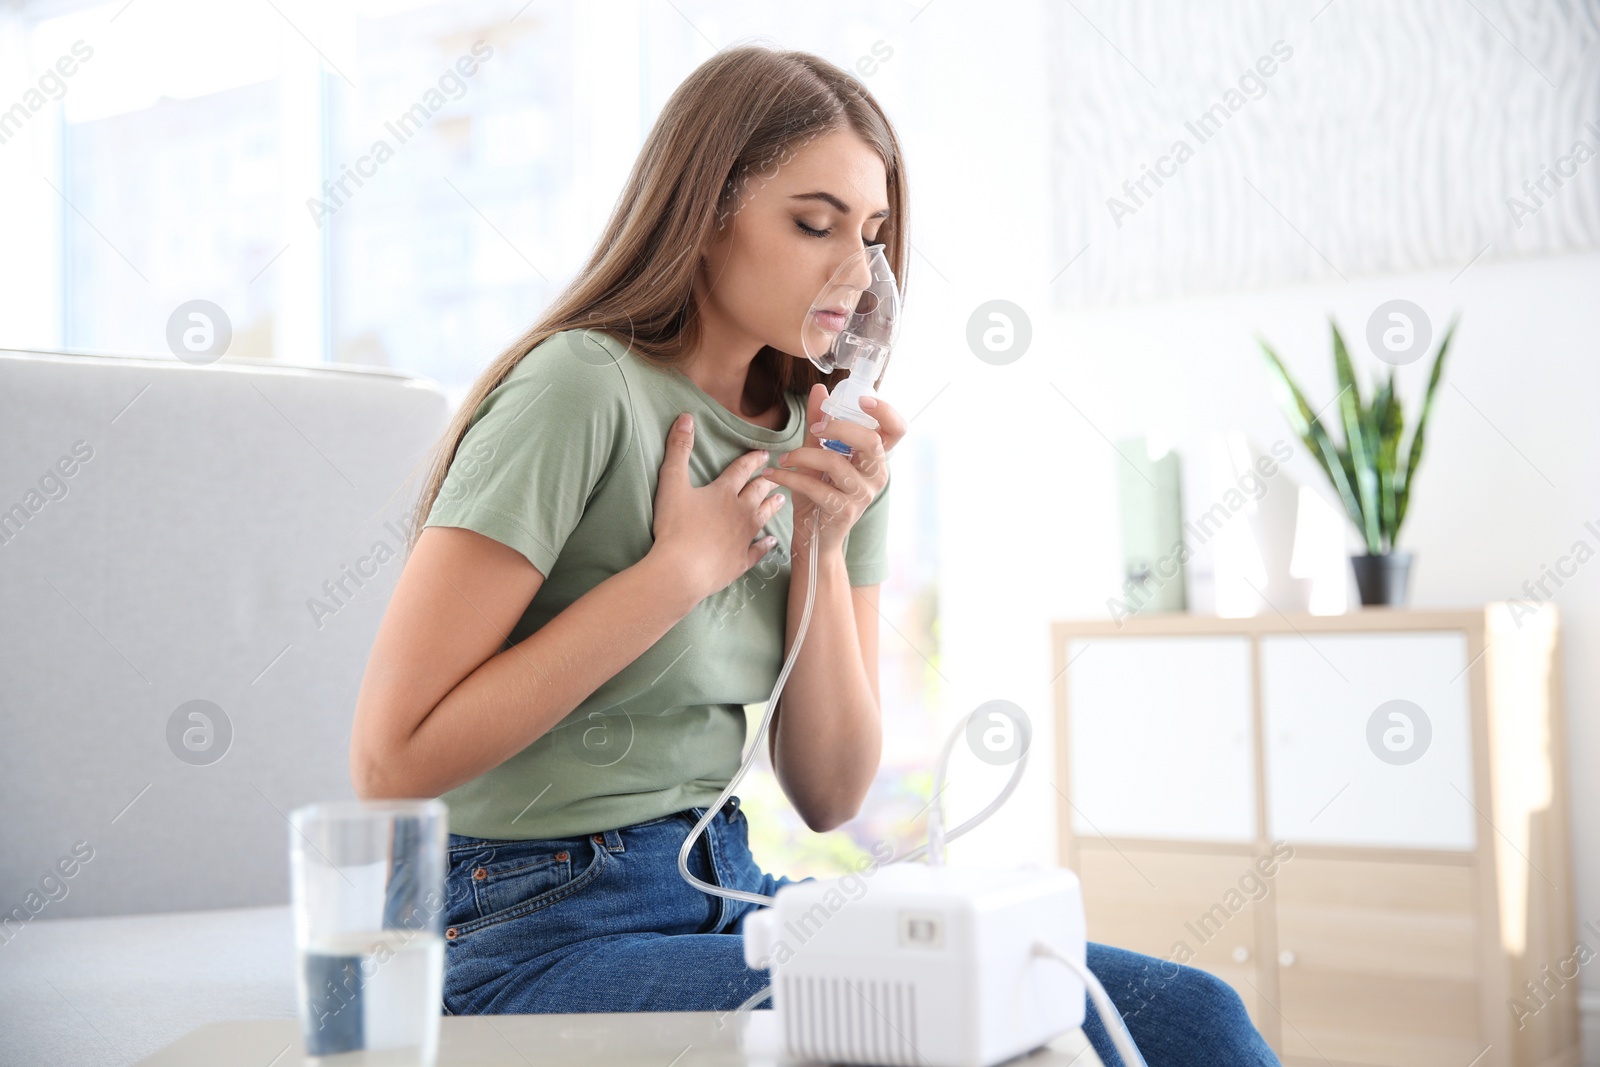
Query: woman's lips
point(831, 320)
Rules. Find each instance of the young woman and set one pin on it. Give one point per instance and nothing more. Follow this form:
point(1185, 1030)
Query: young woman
point(605, 576)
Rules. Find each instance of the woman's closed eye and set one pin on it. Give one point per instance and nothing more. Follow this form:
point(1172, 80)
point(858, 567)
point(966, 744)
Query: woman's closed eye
point(811, 231)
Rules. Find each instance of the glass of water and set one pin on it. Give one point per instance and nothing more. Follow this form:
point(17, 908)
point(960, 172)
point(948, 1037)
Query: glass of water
point(367, 878)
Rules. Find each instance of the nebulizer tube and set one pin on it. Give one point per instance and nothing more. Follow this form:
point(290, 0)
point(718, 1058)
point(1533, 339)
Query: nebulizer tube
point(852, 325)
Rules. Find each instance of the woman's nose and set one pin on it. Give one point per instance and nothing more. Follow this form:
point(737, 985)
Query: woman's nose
point(855, 272)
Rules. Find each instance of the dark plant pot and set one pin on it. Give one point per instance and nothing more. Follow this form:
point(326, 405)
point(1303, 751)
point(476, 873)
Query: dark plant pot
point(1382, 579)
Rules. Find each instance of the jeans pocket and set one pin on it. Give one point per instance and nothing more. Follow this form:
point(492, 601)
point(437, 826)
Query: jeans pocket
point(510, 879)
point(519, 875)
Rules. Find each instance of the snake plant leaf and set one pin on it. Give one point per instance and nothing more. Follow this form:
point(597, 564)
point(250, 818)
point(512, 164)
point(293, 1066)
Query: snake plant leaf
point(1390, 420)
point(1310, 430)
point(1343, 452)
point(1373, 448)
point(1359, 441)
point(1414, 453)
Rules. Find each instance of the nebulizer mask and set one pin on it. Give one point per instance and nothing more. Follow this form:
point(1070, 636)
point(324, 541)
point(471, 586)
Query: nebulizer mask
point(851, 326)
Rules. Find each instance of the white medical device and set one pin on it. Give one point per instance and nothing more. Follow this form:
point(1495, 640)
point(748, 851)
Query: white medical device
point(918, 965)
point(912, 964)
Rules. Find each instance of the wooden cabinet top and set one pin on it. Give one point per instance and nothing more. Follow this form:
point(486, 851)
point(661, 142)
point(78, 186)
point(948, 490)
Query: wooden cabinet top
point(1495, 614)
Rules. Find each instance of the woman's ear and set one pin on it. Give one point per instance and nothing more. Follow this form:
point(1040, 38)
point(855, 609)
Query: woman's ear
point(717, 242)
point(703, 272)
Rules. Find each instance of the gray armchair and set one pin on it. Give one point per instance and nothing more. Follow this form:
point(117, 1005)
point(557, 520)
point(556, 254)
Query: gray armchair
point(193, 564)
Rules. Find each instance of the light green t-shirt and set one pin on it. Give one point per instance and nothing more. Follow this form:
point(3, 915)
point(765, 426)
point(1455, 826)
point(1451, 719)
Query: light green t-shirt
point(561, 463)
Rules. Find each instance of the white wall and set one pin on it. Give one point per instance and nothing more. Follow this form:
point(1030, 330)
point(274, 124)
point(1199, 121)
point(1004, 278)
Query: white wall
point(1028, 528)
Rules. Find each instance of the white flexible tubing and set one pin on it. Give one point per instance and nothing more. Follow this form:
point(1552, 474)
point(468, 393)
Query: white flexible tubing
point(1109, 1015)
point(945, 838)
point(766, 717)
point(937, 838)
point(936, 835)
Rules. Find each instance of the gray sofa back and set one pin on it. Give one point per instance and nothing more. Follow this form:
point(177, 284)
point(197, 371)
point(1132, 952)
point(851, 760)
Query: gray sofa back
point(193, 564)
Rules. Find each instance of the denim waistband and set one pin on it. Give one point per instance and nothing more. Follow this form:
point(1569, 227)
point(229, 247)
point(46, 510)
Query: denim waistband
point(613, 839)
point(729, 809)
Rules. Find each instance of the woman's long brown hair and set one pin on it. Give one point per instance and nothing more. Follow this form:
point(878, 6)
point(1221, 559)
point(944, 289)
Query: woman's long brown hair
point(727, 128)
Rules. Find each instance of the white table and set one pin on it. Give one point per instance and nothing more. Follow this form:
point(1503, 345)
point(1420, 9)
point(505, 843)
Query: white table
point(623, 1039)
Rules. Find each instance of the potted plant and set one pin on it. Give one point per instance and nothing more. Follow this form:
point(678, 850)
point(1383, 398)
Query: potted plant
point(1370, 471)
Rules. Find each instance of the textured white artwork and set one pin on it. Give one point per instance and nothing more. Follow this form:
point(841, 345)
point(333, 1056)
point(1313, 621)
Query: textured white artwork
point(1202, 147)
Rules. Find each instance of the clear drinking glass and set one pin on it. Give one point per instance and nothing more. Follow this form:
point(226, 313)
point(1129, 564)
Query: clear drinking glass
point(367, 879)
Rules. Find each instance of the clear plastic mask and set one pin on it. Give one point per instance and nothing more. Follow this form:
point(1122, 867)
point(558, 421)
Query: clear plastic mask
point(854, 318)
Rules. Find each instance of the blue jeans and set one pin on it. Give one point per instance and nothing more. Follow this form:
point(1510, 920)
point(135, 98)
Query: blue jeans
point(604, 922)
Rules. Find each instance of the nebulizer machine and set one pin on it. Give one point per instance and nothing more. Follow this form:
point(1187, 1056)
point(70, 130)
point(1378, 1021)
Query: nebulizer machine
point(911, 963)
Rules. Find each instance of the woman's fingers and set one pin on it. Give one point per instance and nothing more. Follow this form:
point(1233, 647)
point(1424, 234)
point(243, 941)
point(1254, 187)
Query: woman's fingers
point(840, 469)
point(891, 426)
point(857, 437)
point(739, 471)
point(866, 446)
point(817, 492)
point(757, 488)
point(758, 552)
point(764, 506)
